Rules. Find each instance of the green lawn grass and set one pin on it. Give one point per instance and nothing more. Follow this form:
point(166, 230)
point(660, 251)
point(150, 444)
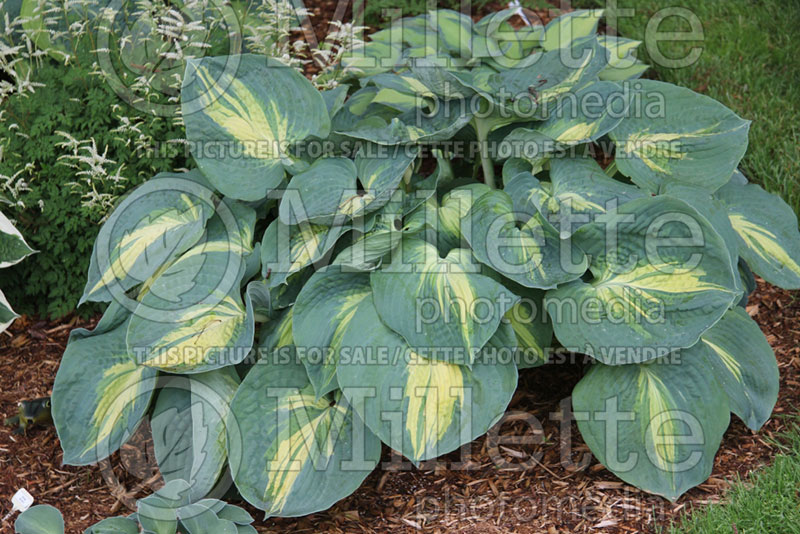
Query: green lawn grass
point(768, 502)
point(749, 63)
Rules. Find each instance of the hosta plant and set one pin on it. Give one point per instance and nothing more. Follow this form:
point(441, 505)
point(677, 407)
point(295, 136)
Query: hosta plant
point(375, 263)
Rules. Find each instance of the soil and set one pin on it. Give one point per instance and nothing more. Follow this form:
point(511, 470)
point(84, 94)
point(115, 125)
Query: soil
point(511, 480)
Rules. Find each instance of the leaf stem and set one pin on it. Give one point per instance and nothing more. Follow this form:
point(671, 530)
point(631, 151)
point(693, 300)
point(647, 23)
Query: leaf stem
point(482, 131)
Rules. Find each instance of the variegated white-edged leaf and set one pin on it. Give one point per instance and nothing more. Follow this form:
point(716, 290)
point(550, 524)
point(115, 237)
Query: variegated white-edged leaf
point(241, 112)
point(188, 427)
point(322, 313)
point(100, 394)
point(192, 318)
point(7, 315)
point(578, 190)
point(525, 249)
point(13, 247)
point(766, 226)
point(285, 250)
point(745, 366)
point(157, 222)
point(418, 406)
point(675, 134)
point(661, 277)
point(439, 303)
point(655, 425)
point(292, 454)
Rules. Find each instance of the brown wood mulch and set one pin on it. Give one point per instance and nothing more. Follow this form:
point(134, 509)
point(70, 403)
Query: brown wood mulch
point(503, 486)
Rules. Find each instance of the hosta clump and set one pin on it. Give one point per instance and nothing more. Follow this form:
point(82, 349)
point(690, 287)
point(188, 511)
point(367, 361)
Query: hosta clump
point(375, 263)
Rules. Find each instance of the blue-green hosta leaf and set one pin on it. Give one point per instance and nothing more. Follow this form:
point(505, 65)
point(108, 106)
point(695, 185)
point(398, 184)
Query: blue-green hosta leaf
point(241, 112)
point(114, 525)
point(292, 454)
point(40, 519)
point(192, 318)
point(714, 210)
point(7, 315)
point(675, 134)
point(188, 427)
point(745, 366)
point(100, 394)
point(453, 32)
point(661, 277)
point(766, 226)
point(372, 58)
point(562, 31)
point(456, 203)
point(322, 313)
point(158, 513)
point(322, 194)
point(13, 247)
point(434, 302)
point(287, 249)
point(200, 519)
point(433, 406)
point(656, 425)
point(413, 126)
point(573, 120)
point(532, 254)
point(532, 328)
point(578, 190)
point(157, 222)
point(622, 64)
point(334, 98)
point(276, 334)
point(380, 170)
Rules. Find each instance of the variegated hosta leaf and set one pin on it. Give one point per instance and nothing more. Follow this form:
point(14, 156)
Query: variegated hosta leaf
point(655, 425)
point(188, 427)
point(675, 134)
point(574, 120)
point(322, 313)
point(453, 32)
point(323, 194)
point(287, 249)
point(539, 80)
point(532, 328)
point(277, 335)
point(100, 394)
point(578, 190)
point(532, 254)
point(380, 170)
point(622, 64)
point(13, 247)
point(160, 220)
point(413, 126)
point(714, 210)
point(745, 366)
point(562, 31)
point(768, 239)
point(437, 303)
point(192, 318)
point(418, 406)
point(290, 453)
point(661, 277)
point(456, 203)
point(7, 315)
point(241, 112)
point(371, 58)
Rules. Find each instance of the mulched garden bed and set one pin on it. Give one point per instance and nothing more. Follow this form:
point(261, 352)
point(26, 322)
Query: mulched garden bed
point(502, 488)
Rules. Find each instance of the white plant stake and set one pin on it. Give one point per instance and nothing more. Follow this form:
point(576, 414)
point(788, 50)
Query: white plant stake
point(22, 500)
